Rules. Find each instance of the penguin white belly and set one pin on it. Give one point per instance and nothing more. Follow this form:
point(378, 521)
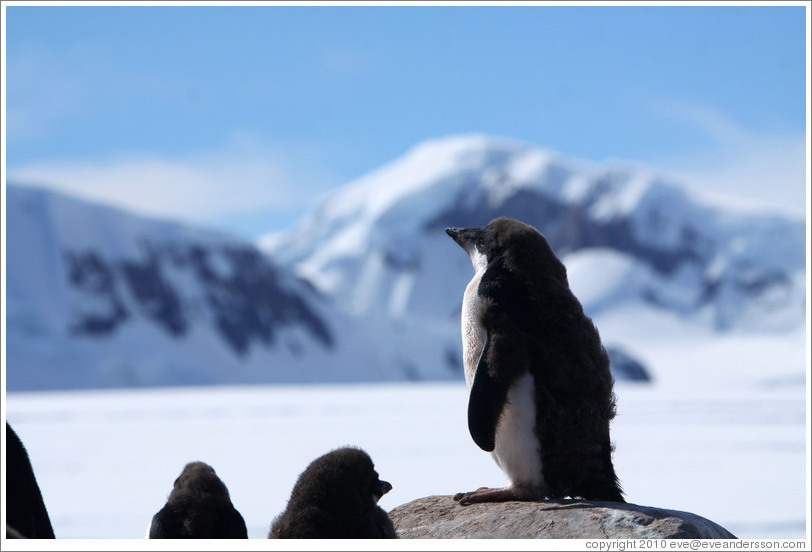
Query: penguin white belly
point(473, 334)
point(518, 451)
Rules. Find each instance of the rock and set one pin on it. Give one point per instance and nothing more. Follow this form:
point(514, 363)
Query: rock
point(625, 367)
point(440, 517)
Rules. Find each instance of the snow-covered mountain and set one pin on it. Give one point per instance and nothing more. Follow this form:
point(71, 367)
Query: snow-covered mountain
point(368, 287)
point(677, 286)
point(626, 234)
point(98, 297)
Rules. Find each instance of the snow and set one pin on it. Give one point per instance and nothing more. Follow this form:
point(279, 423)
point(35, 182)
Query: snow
point(620, 277)
point(106, 460)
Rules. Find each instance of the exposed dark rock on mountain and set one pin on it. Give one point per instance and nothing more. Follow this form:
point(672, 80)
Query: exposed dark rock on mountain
point(625, 367)
point(244, 296)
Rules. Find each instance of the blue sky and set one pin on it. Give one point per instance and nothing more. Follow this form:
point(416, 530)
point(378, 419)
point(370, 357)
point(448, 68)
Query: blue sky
point(242, 116)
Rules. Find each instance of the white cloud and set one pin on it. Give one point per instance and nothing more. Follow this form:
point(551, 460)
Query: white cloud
point(243, 177)
point(768, 172)
point(753, 169)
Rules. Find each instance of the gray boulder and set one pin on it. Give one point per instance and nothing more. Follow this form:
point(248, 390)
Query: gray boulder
point(440, 517)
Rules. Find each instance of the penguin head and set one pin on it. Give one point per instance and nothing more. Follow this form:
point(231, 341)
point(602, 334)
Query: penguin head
point(514, 244)
point(198, 479)
point(359, 469)
point(479, 243)
point(347, 471)
point(381, 487)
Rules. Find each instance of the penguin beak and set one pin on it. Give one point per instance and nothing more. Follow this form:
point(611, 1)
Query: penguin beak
point(383, 488)
point(458, 236)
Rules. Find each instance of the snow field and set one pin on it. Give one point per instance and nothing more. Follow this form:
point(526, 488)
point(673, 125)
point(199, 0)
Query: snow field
point(106, 460)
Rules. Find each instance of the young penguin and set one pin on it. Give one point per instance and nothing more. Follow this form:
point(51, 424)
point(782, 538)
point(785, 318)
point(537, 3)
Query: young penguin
point(540, 387)
point(336, 497)
point(199, 507)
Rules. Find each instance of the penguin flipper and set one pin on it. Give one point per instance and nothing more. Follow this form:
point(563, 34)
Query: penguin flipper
point(485, 403)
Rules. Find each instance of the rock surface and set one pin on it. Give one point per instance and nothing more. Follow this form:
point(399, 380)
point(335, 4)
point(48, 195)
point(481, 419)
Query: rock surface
point(440, 517)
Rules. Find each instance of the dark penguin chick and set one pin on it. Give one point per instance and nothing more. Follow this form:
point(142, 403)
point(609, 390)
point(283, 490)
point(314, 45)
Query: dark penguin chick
point(199, 507)
point(336, 497)
point(26, 515)
point(540, 387)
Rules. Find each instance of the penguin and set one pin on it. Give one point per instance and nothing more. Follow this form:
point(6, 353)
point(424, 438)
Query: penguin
point(27, 516)
point(540, 390)
point(199, 507)
point(336, 497)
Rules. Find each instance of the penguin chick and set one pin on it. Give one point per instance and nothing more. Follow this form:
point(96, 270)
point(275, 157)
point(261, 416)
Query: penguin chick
point(336, 497)
point(540, 387)
point(199, 507)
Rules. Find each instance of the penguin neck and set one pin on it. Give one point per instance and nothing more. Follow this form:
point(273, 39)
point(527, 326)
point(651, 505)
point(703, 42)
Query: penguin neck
point(479, 261)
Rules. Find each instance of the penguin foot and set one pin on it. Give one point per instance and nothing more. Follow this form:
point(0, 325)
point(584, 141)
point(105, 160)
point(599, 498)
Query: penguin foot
point(505, 494)
point(459, 496)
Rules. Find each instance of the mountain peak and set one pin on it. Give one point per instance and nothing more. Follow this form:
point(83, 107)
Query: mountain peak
point(467, 145)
